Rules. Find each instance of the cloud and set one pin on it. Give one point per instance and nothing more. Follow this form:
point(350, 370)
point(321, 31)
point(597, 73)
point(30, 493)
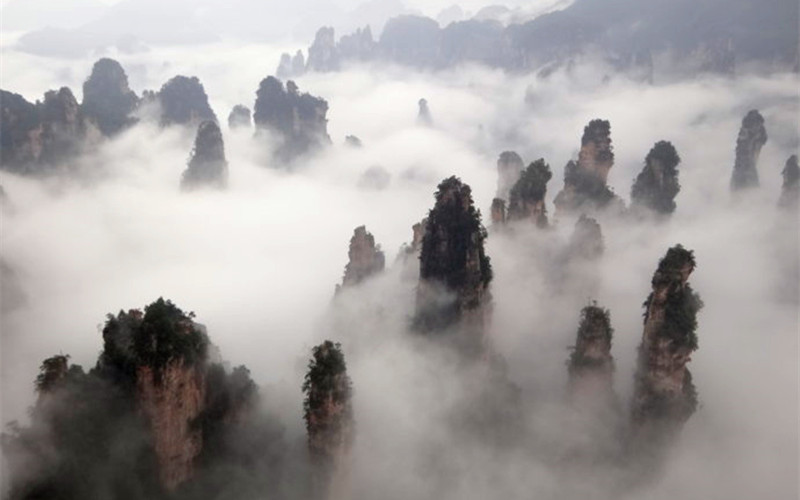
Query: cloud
point(258, 263)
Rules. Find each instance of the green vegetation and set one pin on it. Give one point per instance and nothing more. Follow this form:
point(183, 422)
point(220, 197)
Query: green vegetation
point(326, 381)
point(594, 327)
point(530, 189)
point(166, 334)
point(657, 184)
point(455, 226)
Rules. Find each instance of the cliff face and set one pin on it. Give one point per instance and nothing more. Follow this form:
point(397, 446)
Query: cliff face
point(587, 239)
point(790, 192)
point(20, 132)
point(107, 99)
point(752, 137)
point(366, 258)
point(357, 46)
point(585, 185)
point(591, 366)
point(664, 395)
point(509, 169)
point(171, 400)
point(184, 102)
point(299, 120)
point(709, 43)
point(239, 117)
point(323, 56)
point(411, 40)
point(41, 135)
point(328, 414)
point(527, 194)
point(657, 185)
point(291, 67)
point(207, 166)
point(152, 420)
point(455, 272)
point(498, 212)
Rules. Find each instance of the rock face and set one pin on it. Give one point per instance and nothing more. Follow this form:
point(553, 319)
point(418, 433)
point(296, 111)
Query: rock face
point(664, 395)
point(184, 102)
point(291, 67)
point(411, 40)
point(239, 117)
point(52, 373)
point(657, 185)
point(323, 56)
point(455, 272)
point(366, 258)
point(20, 132)
point(36, 137)
point(299, 120)
point(587, 240)
point(591, 365)
point(509, 168)
point(527, 194)
point(357, 46)
point(424, 114)
point(752, 137)
point(790, 193)
point(171, 400)
point(709, 42)
point(585, 187)
point(207, 166)
point(498, 212)
point(107, 99)
point(171, 352)
point(328, 413)
point(153, 419)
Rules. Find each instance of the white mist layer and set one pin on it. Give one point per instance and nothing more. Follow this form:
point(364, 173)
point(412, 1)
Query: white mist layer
point(258, 263)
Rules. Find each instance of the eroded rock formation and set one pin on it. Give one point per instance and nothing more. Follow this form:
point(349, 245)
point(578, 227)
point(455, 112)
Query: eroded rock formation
point(411, 40)
point(790, 192)
point(752, 137)
point(509, 168)
point(207, 165)
point(298, 120)
point(587, 239)
point(323, 56)
point(664, 395)
point(37, 137)
point(585, 187)
point(239, 117)
point(424, 114)
point(171, 352)
point(184, 101)
point(357, 46)
point(291, 67)
point(591, 365)
point(107, 99)
point(52, 373)
point(366, 258)
point(154, 419)
point(455, 271)
point(527, 195)
point(656, 186)
point(328, 413)
point(498, 211)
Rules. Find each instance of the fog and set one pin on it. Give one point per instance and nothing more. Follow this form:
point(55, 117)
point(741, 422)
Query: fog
point(258, 263)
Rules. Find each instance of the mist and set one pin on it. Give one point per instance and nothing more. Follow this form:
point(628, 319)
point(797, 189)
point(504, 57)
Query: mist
point(258, 262)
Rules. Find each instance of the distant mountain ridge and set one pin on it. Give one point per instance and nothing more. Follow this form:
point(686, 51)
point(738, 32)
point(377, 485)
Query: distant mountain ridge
point(678, 37)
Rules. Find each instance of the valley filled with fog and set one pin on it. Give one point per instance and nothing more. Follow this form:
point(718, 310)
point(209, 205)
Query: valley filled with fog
point(258, 262)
